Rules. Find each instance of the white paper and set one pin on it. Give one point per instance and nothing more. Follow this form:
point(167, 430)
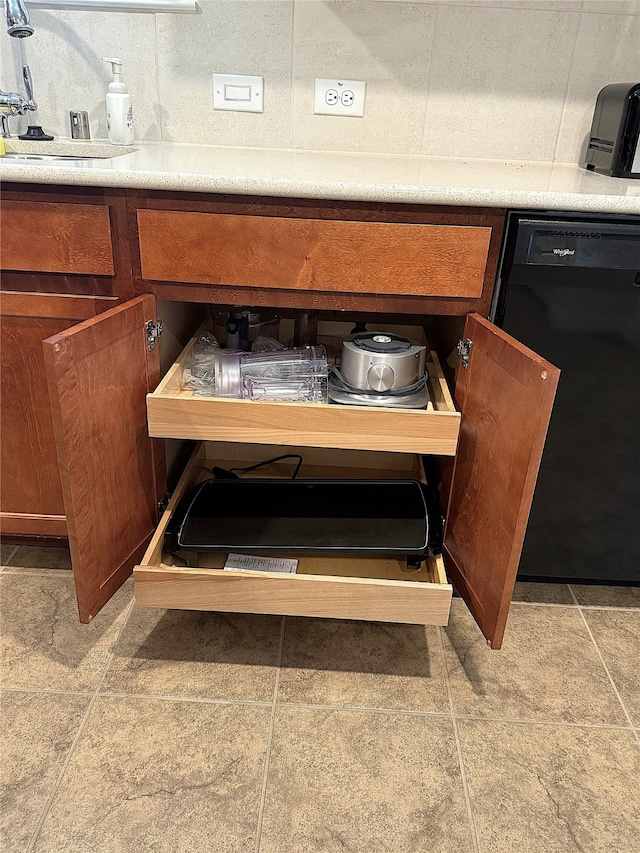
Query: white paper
point(247, 563)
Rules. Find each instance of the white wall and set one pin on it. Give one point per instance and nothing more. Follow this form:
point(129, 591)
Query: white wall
point(514, 79)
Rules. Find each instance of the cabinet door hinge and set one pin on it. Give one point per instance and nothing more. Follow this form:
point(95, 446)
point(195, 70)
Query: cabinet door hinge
point(464, 350)
point(154, 330)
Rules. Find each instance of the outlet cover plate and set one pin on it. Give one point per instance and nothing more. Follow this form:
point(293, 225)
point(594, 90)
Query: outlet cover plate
point(241, 93)
point(339, 97)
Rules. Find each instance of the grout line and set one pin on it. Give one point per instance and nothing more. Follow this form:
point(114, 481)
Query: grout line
point(601, 606)
point(537, 7)
point(543, 604)
point(11, 556)
point(533, 722)
point(525, 721)
point(607, 670)
point(18, 688)
point(194, 700)
point(39, 573)
point(261, 703)
point(565, 94)
point(56, 785)
point(267, 757)
point(456, 734)
point(114, 648)
point(573, 606)
point(427, 94)
point(292, 72)
point(81, 728)
point(364, 709)
point(158, 103)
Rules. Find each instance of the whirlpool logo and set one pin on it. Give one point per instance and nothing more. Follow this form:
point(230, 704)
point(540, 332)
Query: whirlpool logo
point(564, 252)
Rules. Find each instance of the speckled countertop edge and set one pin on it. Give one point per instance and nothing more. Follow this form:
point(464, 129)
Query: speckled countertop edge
point(162, 167)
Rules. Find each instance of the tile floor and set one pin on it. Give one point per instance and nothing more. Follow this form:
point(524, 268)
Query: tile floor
point(177, 731)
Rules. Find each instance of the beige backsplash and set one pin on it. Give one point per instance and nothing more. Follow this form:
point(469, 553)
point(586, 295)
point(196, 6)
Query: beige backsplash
point(508, 79)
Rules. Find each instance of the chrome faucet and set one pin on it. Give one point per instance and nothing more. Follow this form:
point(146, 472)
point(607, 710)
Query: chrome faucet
point(12, 103)
point(18, 23)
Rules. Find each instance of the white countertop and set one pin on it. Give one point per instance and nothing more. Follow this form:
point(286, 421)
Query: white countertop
point(341, 176)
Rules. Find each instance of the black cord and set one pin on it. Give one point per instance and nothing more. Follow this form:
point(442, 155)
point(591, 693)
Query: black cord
point(228, 473)
point(270, 461)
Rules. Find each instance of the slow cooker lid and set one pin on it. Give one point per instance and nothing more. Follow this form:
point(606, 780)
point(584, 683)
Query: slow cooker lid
point(381, 342)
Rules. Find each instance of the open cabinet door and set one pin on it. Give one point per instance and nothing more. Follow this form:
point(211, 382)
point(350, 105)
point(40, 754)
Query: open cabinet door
point(505, 396)
point(99, 373)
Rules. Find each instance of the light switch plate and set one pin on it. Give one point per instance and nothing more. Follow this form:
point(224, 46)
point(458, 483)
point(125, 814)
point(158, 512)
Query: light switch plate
point(238, 92)
point(339, 97)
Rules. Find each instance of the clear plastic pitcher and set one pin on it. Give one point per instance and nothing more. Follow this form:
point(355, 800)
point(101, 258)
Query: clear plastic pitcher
point(291, 375)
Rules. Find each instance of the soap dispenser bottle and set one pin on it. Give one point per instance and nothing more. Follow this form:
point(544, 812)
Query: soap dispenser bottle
point(119, 107)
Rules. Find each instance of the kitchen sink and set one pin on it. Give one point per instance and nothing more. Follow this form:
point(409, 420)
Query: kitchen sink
point(17, 149)
point(14, 156)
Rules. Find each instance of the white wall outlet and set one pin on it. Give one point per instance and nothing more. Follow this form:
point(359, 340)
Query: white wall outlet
point(241, 93)
point(339, 97)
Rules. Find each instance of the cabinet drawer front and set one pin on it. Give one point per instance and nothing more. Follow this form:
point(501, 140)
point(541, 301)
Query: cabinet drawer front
point(62, 238)
point(312, 254)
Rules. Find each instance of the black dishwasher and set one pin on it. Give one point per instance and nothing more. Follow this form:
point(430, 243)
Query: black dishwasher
point(569, 288)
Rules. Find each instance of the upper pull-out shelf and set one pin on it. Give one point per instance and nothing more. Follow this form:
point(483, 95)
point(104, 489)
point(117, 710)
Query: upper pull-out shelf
point(177, 413)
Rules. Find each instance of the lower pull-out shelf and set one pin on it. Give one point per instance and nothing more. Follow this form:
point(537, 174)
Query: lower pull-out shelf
point(369, 588)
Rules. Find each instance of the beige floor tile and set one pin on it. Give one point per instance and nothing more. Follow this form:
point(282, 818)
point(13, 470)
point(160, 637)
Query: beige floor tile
point(163, 776)
point(43, 644)
point(37, 730)
point(364, 664)
point(617, 633)
point(365, 783)
point(552, 789)
point(196, 654)
point(548, 668)
point(32, 558)
point(607, 596)
point(542, 593)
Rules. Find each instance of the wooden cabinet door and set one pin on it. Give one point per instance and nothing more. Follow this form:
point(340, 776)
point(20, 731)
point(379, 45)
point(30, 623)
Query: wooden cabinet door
point(505, 396)
point(31, 502)
point(112, 473)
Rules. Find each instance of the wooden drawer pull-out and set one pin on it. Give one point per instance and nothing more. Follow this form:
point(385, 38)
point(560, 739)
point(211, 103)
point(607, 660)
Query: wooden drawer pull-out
point(62, 238)
point(377, 589)
point(313, 254)
point(175, 413)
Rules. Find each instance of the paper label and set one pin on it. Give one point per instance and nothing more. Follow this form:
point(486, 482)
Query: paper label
point(247, 563)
